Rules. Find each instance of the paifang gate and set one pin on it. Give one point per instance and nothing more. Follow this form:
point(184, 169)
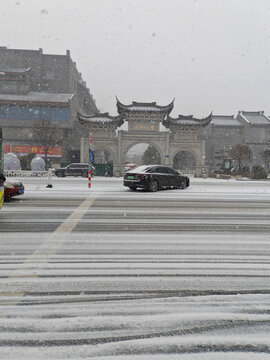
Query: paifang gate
point(178, 145)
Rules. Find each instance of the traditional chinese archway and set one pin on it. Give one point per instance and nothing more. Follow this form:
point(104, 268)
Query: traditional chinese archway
point(144, 121)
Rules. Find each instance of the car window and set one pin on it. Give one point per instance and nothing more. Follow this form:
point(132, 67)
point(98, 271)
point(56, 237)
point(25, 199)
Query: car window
point(171, 171)
point(152, 170)
point(160, 170)
point(139, 169)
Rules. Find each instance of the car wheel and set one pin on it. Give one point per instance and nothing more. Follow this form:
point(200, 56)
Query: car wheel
point(153, 186)
point(133, 187)
point(183, 185)
point(62, 174)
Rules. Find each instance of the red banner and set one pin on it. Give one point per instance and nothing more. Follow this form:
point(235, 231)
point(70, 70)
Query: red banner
point(33, 149)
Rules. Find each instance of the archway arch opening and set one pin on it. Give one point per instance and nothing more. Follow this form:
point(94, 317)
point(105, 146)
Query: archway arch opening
point(143, 154)
point(184, 160)
point(103, 161)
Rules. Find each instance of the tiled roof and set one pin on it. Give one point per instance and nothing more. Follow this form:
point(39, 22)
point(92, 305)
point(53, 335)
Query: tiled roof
point(36, 97)
point(144, 107)
point(98, 120)
point(189, 121)
point(254, 117)
point(223, 120)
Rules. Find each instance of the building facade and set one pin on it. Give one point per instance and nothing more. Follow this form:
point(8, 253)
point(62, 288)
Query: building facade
point(251, 128)
point(45, 90)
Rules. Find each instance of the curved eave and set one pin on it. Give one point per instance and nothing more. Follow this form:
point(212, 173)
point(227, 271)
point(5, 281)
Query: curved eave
point(100, 120)
point(186, 121)
point(144, 107)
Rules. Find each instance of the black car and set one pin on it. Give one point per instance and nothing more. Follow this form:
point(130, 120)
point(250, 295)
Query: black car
point(74, 169)
point(154, 177)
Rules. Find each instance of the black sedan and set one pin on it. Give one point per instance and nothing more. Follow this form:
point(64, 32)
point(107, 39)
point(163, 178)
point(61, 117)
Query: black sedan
point(154, 177)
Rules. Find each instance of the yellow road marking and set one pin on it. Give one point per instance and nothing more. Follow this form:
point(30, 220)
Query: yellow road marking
point(70, 223)
point(11, 293)
point(10, 302)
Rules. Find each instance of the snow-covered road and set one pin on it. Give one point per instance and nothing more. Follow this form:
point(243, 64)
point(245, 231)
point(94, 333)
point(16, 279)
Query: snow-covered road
point(109, 273)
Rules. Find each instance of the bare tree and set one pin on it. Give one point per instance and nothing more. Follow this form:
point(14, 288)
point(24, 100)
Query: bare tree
point(47, 133)
point(151, 156)
point(240, 153)
point(220, 156)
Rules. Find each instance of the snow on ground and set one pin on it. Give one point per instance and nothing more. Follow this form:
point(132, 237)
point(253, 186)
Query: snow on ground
point(55, 354)
point(102, 186)
point(108, 296)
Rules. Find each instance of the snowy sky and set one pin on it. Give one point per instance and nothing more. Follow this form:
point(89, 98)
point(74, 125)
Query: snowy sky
point(207, 54)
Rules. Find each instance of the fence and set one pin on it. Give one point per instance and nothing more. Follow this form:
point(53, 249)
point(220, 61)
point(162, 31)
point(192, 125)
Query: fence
point(199, 170)
point(187, 171)
point(30, 177)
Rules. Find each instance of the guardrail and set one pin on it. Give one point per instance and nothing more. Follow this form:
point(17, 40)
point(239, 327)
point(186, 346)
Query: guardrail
point(30, 177)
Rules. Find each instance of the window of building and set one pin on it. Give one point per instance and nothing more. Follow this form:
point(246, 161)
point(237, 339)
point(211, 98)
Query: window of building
point(9, 87)
point(34, 112)
point(49, 75)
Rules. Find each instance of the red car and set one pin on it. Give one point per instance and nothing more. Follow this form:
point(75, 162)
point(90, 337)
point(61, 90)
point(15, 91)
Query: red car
point(13, 189)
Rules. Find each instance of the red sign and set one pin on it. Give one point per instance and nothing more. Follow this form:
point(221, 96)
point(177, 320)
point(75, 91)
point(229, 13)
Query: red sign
point(91, 138)
point(33, 149)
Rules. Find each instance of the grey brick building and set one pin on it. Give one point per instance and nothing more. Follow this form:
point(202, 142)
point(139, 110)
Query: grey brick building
point(251, 128)
point(37, 87)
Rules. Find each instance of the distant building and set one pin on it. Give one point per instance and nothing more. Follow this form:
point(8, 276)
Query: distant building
point(251, 128)
point(37, 87)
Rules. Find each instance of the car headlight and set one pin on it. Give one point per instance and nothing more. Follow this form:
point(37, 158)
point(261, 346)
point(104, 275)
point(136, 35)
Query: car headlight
point(9, 186)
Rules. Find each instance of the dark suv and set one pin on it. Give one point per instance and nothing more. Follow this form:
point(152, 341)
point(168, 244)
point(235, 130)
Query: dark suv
point(74, 169)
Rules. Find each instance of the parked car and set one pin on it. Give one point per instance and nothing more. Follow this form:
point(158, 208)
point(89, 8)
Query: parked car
point(13, 189)
point(74, 169)
point(130, 166)
point(154, 177)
